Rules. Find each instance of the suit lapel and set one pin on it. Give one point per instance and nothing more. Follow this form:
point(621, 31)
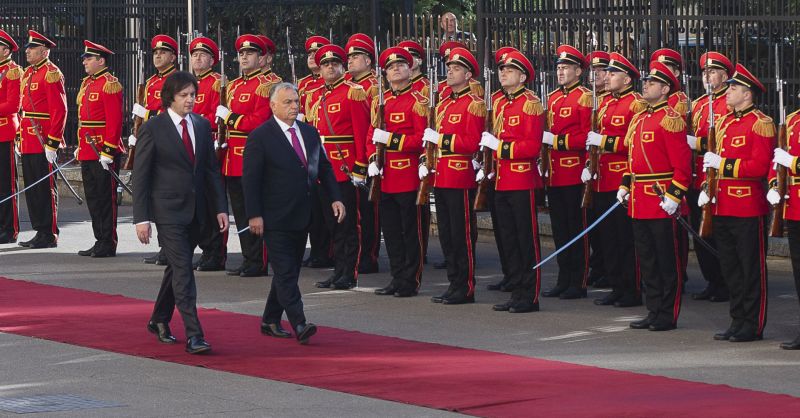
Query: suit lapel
point(177, 141)
point(312, 153)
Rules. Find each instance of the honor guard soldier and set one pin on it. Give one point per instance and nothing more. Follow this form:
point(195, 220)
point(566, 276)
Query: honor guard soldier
point(405, 116)
point(164, 49)
point(569, 116)
point(519, 124)
point(341, 115)
point(10, 101)
point(419, 82)
point(791, 209)
point(717, 69)
point(658, 175)
point(460, 120)
point(615, 234)
point(444, 89)
point(360, 55)
point(44, 107)
point(743, 159)
point(204, 55)
point(248, 107)
point(673, 60)
point(99, 137)
point(313, 80)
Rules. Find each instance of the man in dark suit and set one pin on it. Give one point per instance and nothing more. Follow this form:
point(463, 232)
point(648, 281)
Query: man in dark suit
point(176, 171)
point(282, 159)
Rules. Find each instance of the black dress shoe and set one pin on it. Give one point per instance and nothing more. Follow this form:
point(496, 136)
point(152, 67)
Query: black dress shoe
point(628, 301)
point(327, 283)
point(609, 299)
point(458, 300)
point(44, 242)
point(405, 293)
point(210, 264)
point(745, 337)
point(368, 268)
point(197, 345)
point(87, 252)
point(304, 332)
point(386, 291)
point(440, 298)
point(502, 307)
point(573, 293)
point(104, 253)
point(497, 286)
point(29, 242)
point(252, 272)
point(441, 265)
point(150, 260)
point(726, 335)
point(601, 283)
point(234, 272)
point(791, 345)
point(662, 326)
point(6, 238)
point(274, 330)
point(161, 331)
point(554, 292)
point(524, 307)
point(643, 323)
point(344, 283)
point(316, 263)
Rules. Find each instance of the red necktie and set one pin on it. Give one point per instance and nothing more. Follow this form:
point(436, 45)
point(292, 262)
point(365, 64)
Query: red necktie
point(187, 141)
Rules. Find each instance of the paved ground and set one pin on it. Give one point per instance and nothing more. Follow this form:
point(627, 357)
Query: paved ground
point(572, 331)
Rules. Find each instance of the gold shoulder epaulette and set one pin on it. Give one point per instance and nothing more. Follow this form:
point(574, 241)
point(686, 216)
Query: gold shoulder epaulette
point(638, 105)
point(374, 112)
point(682, 106)
point(53, 75)
point(792, 116)
point(764, 125)
point(533, 105)
point(673, 121)
point(356, 92)
point(586, 98)
point(421, 103)
point(476, 88)
point(216, 86)
point(112, 86)
point(477, 107)
point(14, 73)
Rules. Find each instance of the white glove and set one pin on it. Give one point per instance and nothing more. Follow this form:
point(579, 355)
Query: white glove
point(430, 136)
point(139, 110)
point(622, 196)
point(359, 182)
point(712, 160)
point(131, 141)
point(692, 141)
point(669, 206)
point(423, 171)
point(379, 136)
point(594, 139)
point(50, 155)
point(586, 175)
point(373, 170)
point(75, 154)
point(783, 158)
point(301, 117)
point(216, 145)
point(547, 138)
point(490, 141)
point(106, 162)
point(222, 112)
point(17, 150)
point(479, 176)
point(703, 199)
point(773, 197)
point(475, 165)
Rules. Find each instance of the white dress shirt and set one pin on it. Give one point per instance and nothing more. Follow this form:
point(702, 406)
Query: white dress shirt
point(176, 120)
point(285, 129)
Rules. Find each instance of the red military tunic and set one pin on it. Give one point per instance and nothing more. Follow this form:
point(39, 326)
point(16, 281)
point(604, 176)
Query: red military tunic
point(207, 99)
point(306, 85)
point(421, 84)
point(613, 119)
point(248, 101)
point(405, 115)
point(791, 210)
point(658, 153)
point(679, 102)
point(99, 115)
point(745, 143)
point(10, 99)
point(700, 125)
point(460, 121)
point(44, 103)
point(340, 113)
point(152, 98)
point(569, 117)
point(519, 123)
point(369, 83)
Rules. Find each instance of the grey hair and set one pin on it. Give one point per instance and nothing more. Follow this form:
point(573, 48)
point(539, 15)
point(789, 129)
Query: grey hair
point(281, 86)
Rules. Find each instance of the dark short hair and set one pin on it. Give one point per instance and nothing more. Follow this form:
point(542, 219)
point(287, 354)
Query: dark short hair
point(176, 82)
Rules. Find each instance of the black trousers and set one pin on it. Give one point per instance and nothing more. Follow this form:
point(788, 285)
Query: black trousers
point(794, 252)
point(402, 231)
point(178, 288)
point(426, 228)
point(370, 228)
point(596, 256)
point(458, 232)
point(42, 199)
point(253, 249)
point(319, 234)
point(9, 211)
point(490, 199)
point(658, 260)
point(286, 250)
point(519, 233)
point(742, 245)
point(100, 189)
point(709, 265)
point(568, 220)
point(213, 243)
point(346, 235)
point(615, 238)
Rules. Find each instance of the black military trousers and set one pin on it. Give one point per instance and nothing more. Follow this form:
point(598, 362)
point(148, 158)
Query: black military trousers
point(458, 232)
point(254, 250)
point(568, 219)
point(519, 233)
point(658, 259)
point(794, 252)
point(401, 222)
point(213, 243)
point(490, 200)
point(319, 234)
point(370, 229)
point(709, 265)
point(100, 189)
point(42, 199)
point(615, 238)
point(346, 235)
point(596, 256)
point(9, 211)
point(742, 246)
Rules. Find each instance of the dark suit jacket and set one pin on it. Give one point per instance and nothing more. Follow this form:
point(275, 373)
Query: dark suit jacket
point(167, 189)
point(276, 185)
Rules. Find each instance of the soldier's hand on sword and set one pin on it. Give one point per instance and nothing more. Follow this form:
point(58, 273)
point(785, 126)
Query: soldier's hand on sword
point(139, 110)
point(51, 155)
point(669, 206)
point(622, 196)
point(106, 161)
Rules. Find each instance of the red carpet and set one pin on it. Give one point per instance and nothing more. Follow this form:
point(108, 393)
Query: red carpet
point(431, 375)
